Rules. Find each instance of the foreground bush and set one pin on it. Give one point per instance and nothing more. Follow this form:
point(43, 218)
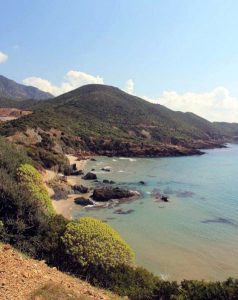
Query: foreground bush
point(32, 181)
point(89, 241)
point(135, 282)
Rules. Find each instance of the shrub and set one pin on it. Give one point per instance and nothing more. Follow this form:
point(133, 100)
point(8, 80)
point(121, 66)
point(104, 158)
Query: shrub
point(32, 181)
point(136, 283)
point(89, 241)
point(53, 249)
point(202, 290)
point(23, 217)
point(166, 290)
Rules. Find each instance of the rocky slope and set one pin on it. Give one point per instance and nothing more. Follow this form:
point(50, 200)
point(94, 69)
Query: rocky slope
point(22, 278)
point(7, 114)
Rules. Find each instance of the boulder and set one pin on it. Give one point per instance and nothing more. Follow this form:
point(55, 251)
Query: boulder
point(83, 201)
point(164, 198)
point(79, 189)
point(142, 182)
point(106, 169)
point(106, 181)
point(106, 193)
point(90, 176)
point(93, 159)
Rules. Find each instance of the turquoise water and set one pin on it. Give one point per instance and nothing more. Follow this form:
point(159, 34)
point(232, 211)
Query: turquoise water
point(195, 234)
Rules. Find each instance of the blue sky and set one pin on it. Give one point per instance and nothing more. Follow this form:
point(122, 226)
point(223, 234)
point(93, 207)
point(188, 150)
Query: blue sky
point(181, 53)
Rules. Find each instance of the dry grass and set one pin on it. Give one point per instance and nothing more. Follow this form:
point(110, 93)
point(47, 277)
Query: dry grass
point(54, 291)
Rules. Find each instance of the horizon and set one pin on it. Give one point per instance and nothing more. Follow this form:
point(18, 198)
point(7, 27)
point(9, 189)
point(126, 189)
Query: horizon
point(176, 53)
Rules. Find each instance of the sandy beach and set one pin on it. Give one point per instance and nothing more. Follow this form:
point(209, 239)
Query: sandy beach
point(64, 206)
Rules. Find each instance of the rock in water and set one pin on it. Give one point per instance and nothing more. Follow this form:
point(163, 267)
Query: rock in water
point(83, 201)
point(164, 198)
point(106, 181)
point(106, 193)
point(90, 176)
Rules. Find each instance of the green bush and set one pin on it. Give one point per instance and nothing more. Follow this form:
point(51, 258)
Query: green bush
point(32, 181)
point(89, 241)
point(23, 216)
point(53, 250)
point(136, 283)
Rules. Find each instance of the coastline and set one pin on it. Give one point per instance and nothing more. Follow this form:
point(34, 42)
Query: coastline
point(64, 206)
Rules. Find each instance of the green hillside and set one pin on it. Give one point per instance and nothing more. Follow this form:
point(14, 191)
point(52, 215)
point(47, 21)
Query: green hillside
point(107, 121)
point(109, 112)
point(229, 130)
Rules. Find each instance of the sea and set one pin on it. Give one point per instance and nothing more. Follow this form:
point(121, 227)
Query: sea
point(192, 236)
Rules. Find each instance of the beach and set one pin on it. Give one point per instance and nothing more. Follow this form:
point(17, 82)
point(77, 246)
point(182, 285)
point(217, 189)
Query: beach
point(65, 206)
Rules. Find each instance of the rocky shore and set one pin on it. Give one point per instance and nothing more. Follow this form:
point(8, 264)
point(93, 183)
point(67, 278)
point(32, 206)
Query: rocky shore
point(74, 187)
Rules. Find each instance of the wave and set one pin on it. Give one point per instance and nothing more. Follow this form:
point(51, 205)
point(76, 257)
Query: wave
point(127, 158)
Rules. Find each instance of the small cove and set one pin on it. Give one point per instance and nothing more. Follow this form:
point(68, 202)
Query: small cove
point(195, 235)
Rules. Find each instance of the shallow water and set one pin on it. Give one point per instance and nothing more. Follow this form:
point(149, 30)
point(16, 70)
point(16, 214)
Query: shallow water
point(195, 234)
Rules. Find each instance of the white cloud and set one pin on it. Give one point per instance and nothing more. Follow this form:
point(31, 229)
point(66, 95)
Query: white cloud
point(3, 57)
point(216, 105)
point(72, 80)
point(129, 88)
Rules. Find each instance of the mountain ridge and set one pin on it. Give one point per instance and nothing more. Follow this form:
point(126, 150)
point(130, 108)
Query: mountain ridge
point(11, 89)
point(104, 120)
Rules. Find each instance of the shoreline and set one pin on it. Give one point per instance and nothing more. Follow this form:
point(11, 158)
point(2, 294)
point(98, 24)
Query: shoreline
point(64, 206)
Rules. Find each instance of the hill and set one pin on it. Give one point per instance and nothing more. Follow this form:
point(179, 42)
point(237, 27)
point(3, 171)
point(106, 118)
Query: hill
point(126, 115)
point(10, 89)
point(107, 121)
point(229, 130)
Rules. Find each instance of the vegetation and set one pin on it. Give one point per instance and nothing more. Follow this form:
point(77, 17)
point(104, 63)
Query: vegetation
point(228, 129)
point(32, 182)
point(87, 248)
point(22, 216)
point(89, 241)
point(53, 291)
point(101, 111)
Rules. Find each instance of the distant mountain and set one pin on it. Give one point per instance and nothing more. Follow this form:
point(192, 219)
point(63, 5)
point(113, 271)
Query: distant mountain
point(229, 130)
point(13, 90)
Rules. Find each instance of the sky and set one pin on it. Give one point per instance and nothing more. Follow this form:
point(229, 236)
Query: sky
point(179, 53)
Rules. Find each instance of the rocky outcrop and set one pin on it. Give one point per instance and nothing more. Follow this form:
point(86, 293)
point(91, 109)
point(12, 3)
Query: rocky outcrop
point(90, 176)
point(106, 193)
